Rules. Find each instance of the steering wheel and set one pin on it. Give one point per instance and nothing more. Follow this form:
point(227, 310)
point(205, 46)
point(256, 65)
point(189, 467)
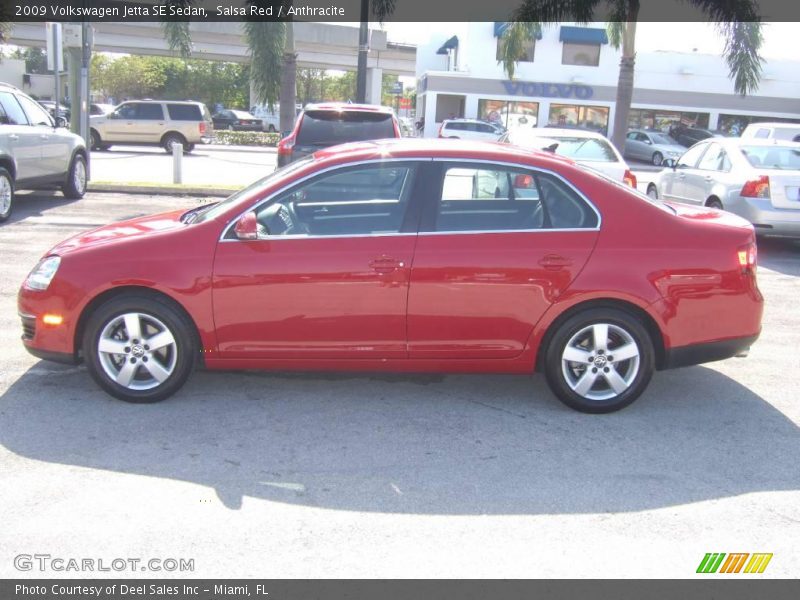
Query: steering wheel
point(297, 226)
point(280, 219)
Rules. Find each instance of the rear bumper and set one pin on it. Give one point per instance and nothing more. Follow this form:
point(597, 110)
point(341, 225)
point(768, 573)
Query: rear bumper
point(696, 354)
point(766, 219)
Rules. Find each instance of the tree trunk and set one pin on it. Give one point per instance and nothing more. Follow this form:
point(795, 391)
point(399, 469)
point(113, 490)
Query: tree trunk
point(625, 83)
point(288, 92)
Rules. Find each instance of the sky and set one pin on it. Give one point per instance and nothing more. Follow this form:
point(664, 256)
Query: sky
point(780, 39)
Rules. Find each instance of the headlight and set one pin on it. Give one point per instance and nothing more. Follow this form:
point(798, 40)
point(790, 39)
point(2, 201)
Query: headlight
point(43, 273)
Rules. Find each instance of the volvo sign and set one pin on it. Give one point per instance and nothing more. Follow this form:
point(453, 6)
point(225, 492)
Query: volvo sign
point(548, 90)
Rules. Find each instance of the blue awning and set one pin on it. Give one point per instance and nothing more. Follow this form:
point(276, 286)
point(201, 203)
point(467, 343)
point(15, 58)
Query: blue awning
point(501, 26)
point(583, 35)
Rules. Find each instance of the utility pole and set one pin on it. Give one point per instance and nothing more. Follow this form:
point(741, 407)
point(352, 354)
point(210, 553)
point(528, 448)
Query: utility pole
point(363, 52)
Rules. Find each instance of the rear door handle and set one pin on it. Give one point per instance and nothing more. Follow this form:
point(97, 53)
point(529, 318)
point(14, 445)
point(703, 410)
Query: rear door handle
point(385, 264)
point(555, 261)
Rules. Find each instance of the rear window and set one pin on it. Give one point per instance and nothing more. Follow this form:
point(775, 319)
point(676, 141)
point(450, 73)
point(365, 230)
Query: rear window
point(773, 157)
point(327, 127)
point(580, 148)
point(184, 112)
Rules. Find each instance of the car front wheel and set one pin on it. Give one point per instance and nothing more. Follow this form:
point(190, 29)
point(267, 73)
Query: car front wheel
point(6, 194)
point(652, 191)
point(658, 158)
point(75, 185)
point(139, 349)
point(599, 360)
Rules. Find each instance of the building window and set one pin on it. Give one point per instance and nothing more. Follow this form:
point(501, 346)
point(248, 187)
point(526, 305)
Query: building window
point(585, 55)
point(525, 54)
point(664, 120)
point(449, 106)
point(735, 124)
point(586, 117)
point(509, 114)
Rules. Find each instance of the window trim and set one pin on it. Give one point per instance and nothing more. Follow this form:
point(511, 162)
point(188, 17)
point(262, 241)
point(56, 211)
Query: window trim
point(431, 197)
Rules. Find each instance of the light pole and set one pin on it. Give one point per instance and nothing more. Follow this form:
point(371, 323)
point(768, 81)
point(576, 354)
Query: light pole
point(363, 51)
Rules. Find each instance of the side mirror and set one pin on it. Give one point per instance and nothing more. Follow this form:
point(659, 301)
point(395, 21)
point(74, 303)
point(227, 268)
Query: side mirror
point(648, 142)
point(246, 227)
point(669, 163)
point(61, 122)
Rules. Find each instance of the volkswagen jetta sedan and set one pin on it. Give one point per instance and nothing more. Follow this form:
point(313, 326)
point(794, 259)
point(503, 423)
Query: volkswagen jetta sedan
point(405, 255)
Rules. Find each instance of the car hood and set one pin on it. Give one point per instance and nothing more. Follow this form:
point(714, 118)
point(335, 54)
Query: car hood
point(670, 148)
point(124, 231)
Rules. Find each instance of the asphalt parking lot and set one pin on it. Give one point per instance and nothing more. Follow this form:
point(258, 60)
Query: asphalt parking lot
point(337, 475)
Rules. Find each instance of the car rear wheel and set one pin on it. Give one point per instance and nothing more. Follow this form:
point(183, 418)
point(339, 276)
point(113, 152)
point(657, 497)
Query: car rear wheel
point(75, 185)
point(714, 203)
point(139, 349)
point(599, 360)
point(658, 158)
point(652, 191)
point(271, 129)
point(174, 138)
point(6, 194)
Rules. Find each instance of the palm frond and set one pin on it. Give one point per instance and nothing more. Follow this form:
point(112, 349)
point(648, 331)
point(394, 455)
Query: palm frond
point(615, 31)
point(265, 41)
point(742, 44)
point(728, 11)
point(177, 34)
point(513, 43)
point(555, 11)
point(382, 9)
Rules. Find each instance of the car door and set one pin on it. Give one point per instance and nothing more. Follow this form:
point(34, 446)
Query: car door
point(149, 124)
point(328, 276)
point(497, 245)
point(20, 139)
point(673, 181)
point(119, 123)
point(54, 147)
point(632, 145)
point(701, 181)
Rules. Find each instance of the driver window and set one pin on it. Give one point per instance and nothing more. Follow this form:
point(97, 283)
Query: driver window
point(369, 200)
point(126, 111)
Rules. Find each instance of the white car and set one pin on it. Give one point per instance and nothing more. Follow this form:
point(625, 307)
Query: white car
point(585, 147)
point(470, 129)
point(772, 131)
point(271, 119)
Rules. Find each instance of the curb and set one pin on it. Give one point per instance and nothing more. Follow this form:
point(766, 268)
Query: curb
point(164, 190)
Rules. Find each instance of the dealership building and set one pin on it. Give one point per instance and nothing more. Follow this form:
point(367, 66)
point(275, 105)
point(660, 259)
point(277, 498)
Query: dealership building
point(568, 77)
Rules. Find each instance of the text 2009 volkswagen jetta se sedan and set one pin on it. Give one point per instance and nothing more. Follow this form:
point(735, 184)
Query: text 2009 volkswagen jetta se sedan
point(405, 256)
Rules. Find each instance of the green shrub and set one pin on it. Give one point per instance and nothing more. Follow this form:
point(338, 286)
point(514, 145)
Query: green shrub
point(246, 138)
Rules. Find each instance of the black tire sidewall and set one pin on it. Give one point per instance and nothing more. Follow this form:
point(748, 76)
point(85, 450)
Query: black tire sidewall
point(660, 161)
point(4, 173)
point(95, 143)
point(555, 348)
point(69, 190)
point(178, 325)
point(173, 137)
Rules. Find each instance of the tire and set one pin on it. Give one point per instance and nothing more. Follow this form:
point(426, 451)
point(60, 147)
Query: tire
point(6, 194)
point(174, 138)
point(95, 143)
point(658, 158)
point(652, 191)
point(230, 128)
point(271, 129)
point(75, 185)
point(714, 203)
point(611, 387)
point(138, 373)
point(188, 148)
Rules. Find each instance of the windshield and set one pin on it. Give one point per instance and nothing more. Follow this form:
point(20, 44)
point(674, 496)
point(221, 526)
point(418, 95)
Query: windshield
point(214, 210)
point(785, 158)
point(331, 127)
point(634, 191)
point(663, 139)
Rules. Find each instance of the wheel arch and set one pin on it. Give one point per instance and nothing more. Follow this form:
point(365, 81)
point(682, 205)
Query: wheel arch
point(632, 309)
point(116, 292)
point(9, 164)
point(711, 198)
point(173, 132)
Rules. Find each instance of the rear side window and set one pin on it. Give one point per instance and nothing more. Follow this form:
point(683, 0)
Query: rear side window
point(184, 112)
point(773, 157)
point(328, 127)
point(479, 198)
point(149, 112)
point(10, 111)
point(762, 133)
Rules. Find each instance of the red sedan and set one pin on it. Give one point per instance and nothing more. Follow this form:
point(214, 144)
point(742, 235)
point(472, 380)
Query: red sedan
point(405, 255)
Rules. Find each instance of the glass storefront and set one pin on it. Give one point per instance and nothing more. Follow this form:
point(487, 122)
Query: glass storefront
point(569, 115)
point(734, 124)
point(664, 120)
point(509, 114)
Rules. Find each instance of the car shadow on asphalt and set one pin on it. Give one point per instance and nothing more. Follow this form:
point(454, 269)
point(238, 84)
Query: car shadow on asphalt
point(779, 255)
point(34, 204)
point(429, 444)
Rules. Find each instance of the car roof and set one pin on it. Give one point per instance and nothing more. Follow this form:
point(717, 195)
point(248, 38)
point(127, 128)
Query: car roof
point(413, 148)
point(343, 106)
point(776, 125)
point(755, 142)
point(556, 131)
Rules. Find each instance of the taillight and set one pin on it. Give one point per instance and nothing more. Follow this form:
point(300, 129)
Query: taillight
point(748, 256)
point(756, 188)
point(285, 145)
point(202, 127)
point(629, 178)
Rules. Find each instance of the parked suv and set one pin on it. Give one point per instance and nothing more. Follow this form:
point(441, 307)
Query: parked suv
point(323, 125)
point(470, 129)
point(153, 123)
point(34, 153)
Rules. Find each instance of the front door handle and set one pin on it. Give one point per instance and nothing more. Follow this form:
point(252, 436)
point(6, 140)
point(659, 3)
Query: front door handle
point(555, 261)
point(385, 264)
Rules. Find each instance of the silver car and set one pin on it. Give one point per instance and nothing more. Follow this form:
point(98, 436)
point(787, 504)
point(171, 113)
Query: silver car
point(755, 179)
point(35, 154)
point(651, 146)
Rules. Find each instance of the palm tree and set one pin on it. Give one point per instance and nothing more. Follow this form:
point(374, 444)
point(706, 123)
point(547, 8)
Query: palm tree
point(737, 22)
point(273, 61)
